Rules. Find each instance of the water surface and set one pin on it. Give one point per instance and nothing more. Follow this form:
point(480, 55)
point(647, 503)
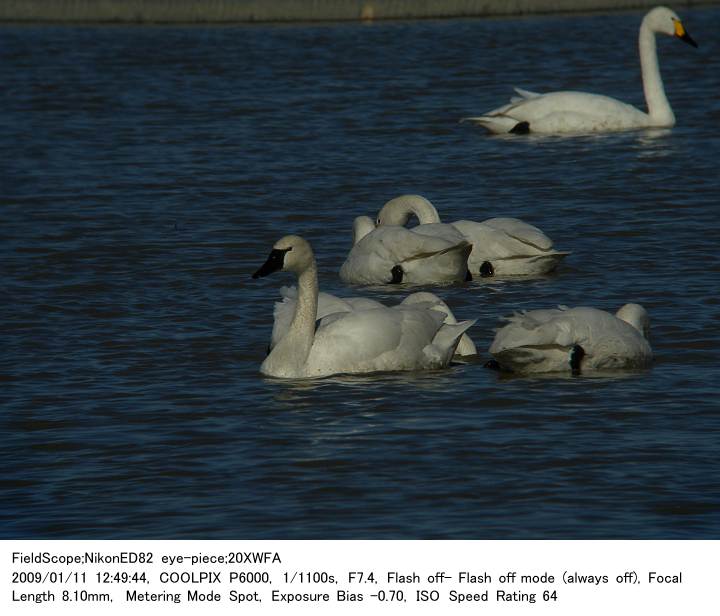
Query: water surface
point(147, 173)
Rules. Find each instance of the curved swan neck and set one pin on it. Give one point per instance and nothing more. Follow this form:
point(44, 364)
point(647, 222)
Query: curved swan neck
point(399, 210)
point(659, 110)
point(425, 211)
point(289, 356)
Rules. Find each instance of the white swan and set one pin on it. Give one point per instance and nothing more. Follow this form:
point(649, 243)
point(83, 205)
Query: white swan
point(573, 339)
point(394, 254)
point(500, 246)
point(579, 112)
point(357, 341)
point(329, 304)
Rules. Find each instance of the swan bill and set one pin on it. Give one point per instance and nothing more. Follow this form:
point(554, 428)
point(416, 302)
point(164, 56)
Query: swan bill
point(576, 356)
point(683, 35)
point(397, 274)
point(274, 263)
point(521, 128)
point(492, 364)
point(486, 269)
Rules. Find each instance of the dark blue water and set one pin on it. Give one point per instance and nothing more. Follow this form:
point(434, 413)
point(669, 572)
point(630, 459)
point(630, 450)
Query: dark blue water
point(146, 173)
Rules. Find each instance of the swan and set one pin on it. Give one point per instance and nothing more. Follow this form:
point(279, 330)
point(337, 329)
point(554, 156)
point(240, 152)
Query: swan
point(361, 340)
point(573, 339)
point(394, 254)
point(580, 112)
point(500, 246)
point(329, 304)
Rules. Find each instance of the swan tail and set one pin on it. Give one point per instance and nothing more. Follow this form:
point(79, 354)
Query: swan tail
point(524, 95)
point(449, 336)
point(465, 346)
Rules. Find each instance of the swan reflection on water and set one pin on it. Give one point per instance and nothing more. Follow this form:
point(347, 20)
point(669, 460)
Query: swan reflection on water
point(366, 384)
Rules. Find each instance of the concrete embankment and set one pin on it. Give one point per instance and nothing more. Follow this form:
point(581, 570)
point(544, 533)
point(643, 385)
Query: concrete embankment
point(228, 11)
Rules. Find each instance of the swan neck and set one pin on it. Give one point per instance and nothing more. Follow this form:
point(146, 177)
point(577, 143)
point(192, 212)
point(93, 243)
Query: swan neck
point(425, 212)
point(289, 357)
point(303, 323)
point(659, 110)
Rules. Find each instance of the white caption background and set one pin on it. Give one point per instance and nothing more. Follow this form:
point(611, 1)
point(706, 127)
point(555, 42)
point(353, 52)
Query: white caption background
point(353, 577)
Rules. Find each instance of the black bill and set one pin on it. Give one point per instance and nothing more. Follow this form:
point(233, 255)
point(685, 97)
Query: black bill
point(274, 263)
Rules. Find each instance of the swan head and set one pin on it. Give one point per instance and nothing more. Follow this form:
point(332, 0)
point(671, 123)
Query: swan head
point(398, 211)
point(362, 225)
point(666, 21)
point(637, 316)
point(289, 254)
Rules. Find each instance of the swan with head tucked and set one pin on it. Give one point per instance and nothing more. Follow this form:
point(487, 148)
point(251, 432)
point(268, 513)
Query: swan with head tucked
point(573, 340)
point(500, 246)
point(330, 304)
point(393, 254)
point(361, 340)
point(580, 112)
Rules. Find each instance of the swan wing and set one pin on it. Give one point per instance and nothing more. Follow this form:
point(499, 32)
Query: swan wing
point(372, 258)
point(563, 112)
point(440, 230)
point(493, 242)
point(328, 304)
point(375, 340)
point(536, 328)
point(582, 103)
point(521, 231)
point(511, 246)
point(399, 244)
point(361, 303)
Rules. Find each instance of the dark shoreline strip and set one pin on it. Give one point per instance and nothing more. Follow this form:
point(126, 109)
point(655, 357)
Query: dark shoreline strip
point(248, 11)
